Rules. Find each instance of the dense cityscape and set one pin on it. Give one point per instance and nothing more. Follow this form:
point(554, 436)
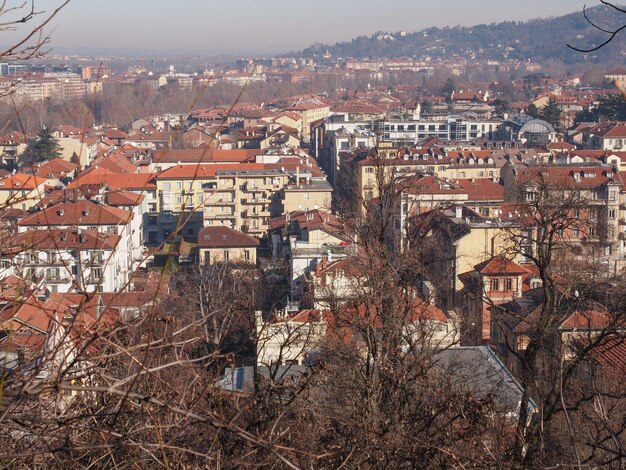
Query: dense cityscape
point(404, 251)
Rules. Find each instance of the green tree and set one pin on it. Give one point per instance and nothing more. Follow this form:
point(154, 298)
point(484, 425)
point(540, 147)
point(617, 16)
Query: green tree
point(532, 111)
point(44, 147)
point(427, 106)
point(502, 106)
point(551, 112)
point(448, 88)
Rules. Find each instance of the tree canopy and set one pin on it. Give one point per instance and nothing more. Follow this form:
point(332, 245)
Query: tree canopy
point(44, 147)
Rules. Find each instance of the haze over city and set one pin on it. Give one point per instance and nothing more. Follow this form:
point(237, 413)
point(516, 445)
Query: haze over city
point(254, 27)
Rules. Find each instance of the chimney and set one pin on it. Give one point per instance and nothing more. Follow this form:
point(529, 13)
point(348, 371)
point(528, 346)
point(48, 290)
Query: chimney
point(458, 212)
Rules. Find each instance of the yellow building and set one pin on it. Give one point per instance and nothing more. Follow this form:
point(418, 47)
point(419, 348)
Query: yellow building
point(466, 240)
point(309, 112)
point(21, 191)
point(223, 244)
point(398, 164)
point(235, 196)
point(313, 194)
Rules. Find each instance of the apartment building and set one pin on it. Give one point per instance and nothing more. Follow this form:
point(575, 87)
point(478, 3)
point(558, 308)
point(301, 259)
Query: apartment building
point(403, 163)
point(66, 260)
point(21, 191)
point(244, 199)
point(593, 194)
point(309, 112)
point(452, 128)
point(240, 196)
point(226, 245)
point(87, 215)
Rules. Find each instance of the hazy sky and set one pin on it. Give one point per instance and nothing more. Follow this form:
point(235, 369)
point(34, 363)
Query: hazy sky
point(256, 26)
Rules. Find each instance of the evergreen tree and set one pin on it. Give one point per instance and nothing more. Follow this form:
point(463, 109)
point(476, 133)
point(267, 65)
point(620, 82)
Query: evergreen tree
point(448, 88)
point(532, 111)
point(75, 158)
point(502, 106)
point(551, 112)
point(44, 147)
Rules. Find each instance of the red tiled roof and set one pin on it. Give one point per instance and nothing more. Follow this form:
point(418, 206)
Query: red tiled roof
point(101, 177)
point(611, 353)
point(205, 170)
point(55, 168)
point(61, 239)
point(224, 237)
point(81, 212)
point(500, 265)
point(204, 154)
point(589, 177)
point(123, 198)
point(21, 181)
point(482, 189)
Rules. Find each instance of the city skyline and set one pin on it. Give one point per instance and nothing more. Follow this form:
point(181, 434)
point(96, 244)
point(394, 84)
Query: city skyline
point(248, 27)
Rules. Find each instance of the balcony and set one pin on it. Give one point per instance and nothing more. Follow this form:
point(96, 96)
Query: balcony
point(261, 213)
point(219, 202)
point(58, 278)
point(257, 200)
point(219, 215)
point(250, 186)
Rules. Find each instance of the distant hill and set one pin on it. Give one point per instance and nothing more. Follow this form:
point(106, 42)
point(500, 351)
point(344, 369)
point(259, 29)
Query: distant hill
point(536, 40)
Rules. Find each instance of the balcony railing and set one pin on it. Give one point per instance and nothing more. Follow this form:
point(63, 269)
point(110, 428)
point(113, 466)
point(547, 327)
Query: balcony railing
point(219, 202)
point(257, 200)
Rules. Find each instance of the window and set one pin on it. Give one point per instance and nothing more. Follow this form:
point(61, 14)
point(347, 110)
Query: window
point(179, 185)
point(495, 284)
point(305, 196)
point(576, 232)
point(612, 214)
point(167, 186)
point(179, 199)
point(246, 255)
point(508, 284)
point(152, 207)
point(225, 255)
point(369, 169)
